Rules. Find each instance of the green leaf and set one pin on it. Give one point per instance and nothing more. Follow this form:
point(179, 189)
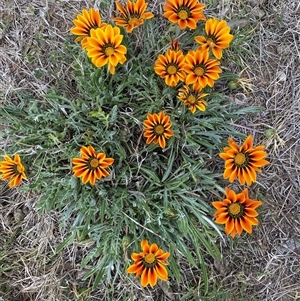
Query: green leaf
point(169, 166)
point(65, 243)
point(149, 173)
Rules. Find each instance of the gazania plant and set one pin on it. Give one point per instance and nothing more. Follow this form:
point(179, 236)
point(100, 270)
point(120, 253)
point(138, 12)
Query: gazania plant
point(125, 153)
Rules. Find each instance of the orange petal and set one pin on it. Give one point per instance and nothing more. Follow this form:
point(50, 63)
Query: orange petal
point(238, 227)
point(162, 141)
point(163, 256)
point(153, 248)
point(135, 269)
point(229, 226)
point(222, 218)
point(230, 194)
point(144, 277)
point(152, 276)
point(246, 225)
point(217, 52)
point(161, 272)
point(250, 212)
point(145, 246)
point(247, 144)
point(252, 204)
point(218, 205)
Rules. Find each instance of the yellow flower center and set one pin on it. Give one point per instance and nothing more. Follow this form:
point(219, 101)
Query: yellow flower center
point(199, 71)
point(94, 163)
point(240, 159)
point(149, 258)
point(159, 129)
point(234, 209)
point(109, 51)
point(183, 14)
point(192, 99)
point(210, 42)
point(133, 21)
point(171, 69)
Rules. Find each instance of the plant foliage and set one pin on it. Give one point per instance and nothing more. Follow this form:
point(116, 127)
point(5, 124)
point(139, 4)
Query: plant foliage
point(159, 194)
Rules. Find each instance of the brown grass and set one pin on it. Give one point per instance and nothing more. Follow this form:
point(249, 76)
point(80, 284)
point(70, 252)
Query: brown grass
point(264, 266)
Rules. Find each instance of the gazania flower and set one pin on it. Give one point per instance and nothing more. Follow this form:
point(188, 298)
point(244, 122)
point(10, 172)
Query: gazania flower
point(193, 98)
point(170, 67)
point(157, 129)
point(237, 212)
point(217, 37)
point(244, 161)
point(132, 15)
point(149, 264)
point(91, 165)
point(201, 70)
point(186, 13)
point(12, 170)
point(84, 23)
point(104, 47)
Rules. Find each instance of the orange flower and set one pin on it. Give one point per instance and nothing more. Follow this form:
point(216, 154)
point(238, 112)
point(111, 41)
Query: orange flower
point(244, 161)
point(237, 212)
point(132, 15)
point(157, 129)
point(150, 264)
point(170, 67)
point(193, 98)
point(201, 71)
point(91, 165)
point(104, 47)
point(186, 13)
point(217, 37)
point(84, 23)
point(13, 170)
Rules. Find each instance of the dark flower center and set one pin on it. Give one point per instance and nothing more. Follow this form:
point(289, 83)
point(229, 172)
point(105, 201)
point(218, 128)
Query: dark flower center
point(183, 13)
point(159, 130)
point(199, 70)
point(241, 159)
point(235, 210)
point(149, 260)
point(93, 163)
point(171, 69)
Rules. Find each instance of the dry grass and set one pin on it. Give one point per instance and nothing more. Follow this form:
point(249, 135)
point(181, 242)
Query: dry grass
point(265, 266)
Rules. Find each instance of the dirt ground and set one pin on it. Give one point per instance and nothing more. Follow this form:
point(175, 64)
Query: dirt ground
point(264, 266)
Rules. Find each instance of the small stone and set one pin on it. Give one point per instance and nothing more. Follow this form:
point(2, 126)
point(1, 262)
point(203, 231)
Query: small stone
point(281, 76)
